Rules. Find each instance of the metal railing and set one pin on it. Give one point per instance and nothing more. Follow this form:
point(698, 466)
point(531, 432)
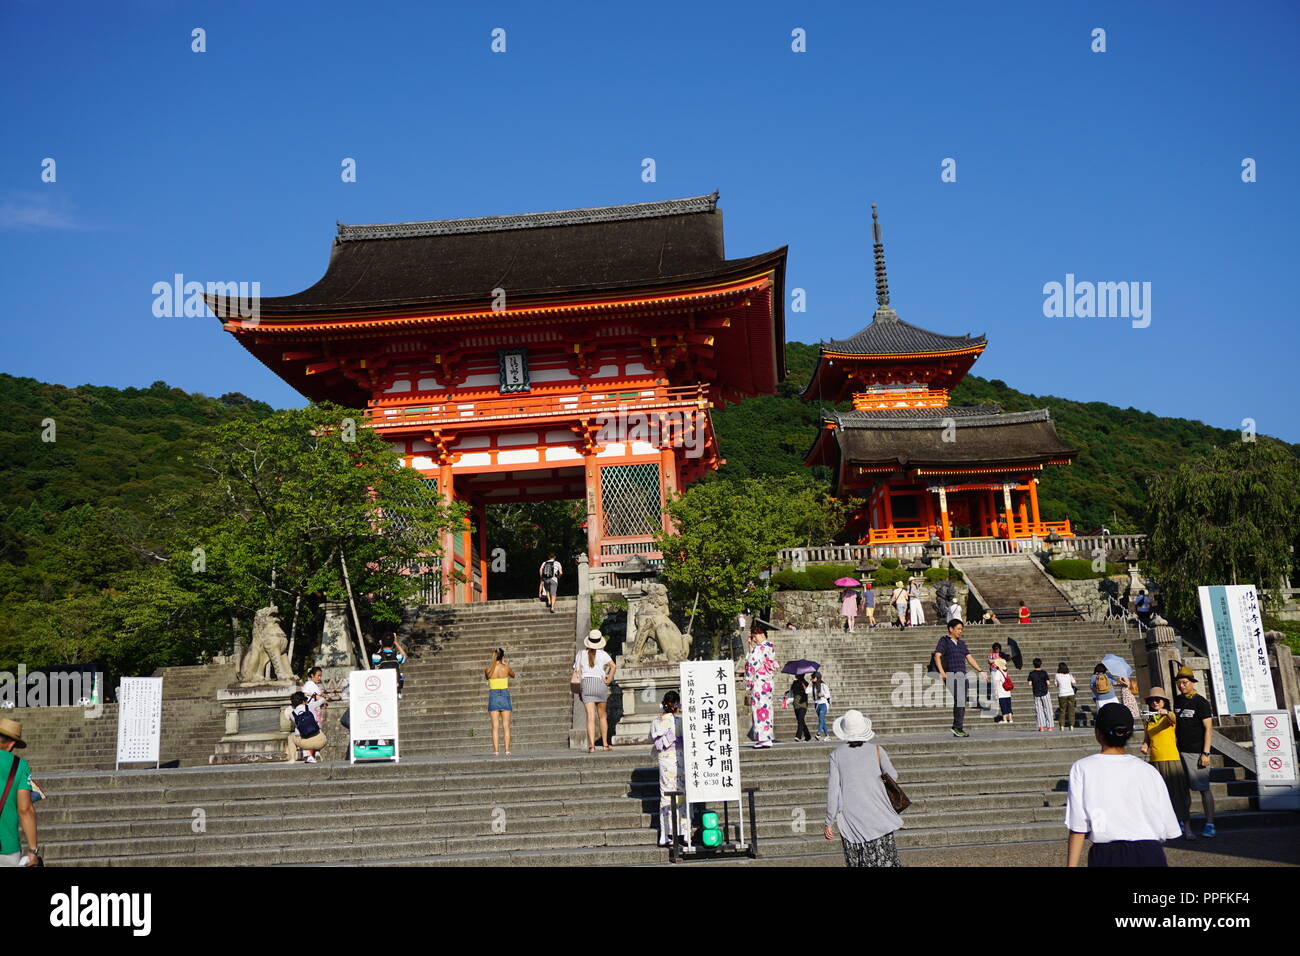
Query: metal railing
point(1117, 611)
point(1051, 612)
point(855, 554)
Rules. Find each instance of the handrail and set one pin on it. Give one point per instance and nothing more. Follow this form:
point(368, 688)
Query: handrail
point(1115, 609)
point(1045, 611)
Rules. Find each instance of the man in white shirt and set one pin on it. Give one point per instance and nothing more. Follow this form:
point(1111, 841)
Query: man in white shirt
point(1118, 801)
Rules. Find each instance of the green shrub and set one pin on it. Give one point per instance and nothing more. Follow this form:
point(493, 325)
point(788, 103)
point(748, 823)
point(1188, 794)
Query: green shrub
point(890, 563)
point(822, 577)
point(1079, 569)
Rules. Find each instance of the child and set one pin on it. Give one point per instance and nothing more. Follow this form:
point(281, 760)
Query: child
point(1039, 678)
point(1065, 685)
point(998, 675)
point(1024, 612)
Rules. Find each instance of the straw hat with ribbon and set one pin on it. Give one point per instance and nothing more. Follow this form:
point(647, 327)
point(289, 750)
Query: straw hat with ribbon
point(12, 729)
point(595, 640)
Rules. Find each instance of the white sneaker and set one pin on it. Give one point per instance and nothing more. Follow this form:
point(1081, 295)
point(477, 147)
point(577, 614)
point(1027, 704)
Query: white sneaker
point(311, 759)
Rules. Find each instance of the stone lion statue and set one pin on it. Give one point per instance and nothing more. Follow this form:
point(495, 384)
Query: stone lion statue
point(653, 624)
point(269, 646)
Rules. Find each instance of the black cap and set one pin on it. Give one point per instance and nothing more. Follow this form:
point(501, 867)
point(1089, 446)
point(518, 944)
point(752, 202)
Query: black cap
point(1114, 720)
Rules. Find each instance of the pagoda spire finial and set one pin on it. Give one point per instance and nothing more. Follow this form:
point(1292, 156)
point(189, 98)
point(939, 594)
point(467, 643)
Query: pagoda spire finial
point(882, 280)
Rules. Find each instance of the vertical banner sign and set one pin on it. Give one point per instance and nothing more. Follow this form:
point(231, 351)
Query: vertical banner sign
point(139, 719)
point(1234, 637)
point(372, 703)
point(514, 370)
point(711, 729)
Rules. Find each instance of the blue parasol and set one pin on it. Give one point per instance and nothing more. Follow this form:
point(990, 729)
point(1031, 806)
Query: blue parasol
point(1117, 665)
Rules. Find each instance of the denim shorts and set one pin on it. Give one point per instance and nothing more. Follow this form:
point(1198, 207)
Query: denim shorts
point(499, 700)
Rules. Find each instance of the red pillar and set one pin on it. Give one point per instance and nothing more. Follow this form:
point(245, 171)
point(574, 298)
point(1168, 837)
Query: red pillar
point(446, 488)
point(593, 510)
point(481, 518)
point(1033, 503)
point(668, 488)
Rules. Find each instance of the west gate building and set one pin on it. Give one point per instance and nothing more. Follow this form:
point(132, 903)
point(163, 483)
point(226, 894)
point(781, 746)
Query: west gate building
point(570, 354)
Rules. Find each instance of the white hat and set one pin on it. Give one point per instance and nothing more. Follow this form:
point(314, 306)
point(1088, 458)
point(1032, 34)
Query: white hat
point(999, 662)
point(853, 727)
point(595, 640)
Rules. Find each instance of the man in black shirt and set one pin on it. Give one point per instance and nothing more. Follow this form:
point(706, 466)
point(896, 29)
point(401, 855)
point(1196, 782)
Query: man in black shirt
point(951, 657)
point(1193, 729)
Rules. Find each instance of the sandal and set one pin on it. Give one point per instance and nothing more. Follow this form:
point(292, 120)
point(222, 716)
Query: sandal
point(591, 750)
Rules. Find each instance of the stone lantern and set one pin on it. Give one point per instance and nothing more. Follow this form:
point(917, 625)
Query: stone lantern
point(1135, 582)
point(1053, 541)
point(933, 552)
point(866, 570)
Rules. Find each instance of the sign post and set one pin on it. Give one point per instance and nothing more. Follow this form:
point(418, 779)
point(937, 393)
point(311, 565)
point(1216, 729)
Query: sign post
point(1234, 637)
point(712, 738)
point(372, 711)
point(139, 720)
point(1275, 761)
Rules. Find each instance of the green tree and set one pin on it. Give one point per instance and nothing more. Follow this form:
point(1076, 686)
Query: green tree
point(1229, 517)
point(727, 534)
point(290, 502)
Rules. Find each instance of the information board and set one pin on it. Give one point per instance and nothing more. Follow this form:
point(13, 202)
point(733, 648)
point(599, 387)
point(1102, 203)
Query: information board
point(372, 712)
point(139, 720)
point(711, 731)
point(1233, 623)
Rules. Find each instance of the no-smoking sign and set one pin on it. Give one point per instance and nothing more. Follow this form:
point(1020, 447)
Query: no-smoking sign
point(372, 683)
point(1275, 763)
point(1273, 743)
point(1270, 722)
point(373, 709)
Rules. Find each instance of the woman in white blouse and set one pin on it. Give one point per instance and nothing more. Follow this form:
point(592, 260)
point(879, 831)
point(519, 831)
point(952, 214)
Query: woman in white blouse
point(595, 669)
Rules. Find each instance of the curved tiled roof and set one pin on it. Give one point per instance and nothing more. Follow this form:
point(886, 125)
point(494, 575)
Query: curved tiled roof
point(889, 335)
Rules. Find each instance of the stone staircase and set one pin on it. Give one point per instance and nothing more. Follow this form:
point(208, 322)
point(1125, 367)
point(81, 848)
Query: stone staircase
point(1003, 581)
point(882, 672)
point(562, 808)
point(444, 706)
point(66, 738)
point(448, 803)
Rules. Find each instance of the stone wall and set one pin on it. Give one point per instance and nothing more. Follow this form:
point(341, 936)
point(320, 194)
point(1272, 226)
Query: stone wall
point(820, 610)
point(1086, 594)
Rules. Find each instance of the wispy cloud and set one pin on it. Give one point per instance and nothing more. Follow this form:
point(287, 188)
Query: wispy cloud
point(37, 211)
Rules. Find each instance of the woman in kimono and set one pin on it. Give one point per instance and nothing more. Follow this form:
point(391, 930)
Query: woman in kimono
point(760, 669)
point(667, 735)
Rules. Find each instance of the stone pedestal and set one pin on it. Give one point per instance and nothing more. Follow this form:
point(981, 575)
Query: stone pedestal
point(335, 649)
point(1163, 654)
point(256, 725)
point(643, 686)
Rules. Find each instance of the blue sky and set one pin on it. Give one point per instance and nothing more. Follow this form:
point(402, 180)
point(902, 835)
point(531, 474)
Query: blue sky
point(1115, 166)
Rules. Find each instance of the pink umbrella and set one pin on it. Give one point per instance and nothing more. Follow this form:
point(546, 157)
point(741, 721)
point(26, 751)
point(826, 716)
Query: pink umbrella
point(847, 583)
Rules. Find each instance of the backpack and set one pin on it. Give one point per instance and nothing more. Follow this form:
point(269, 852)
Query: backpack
point(548, 571)
point(388, 658)
point(1103, 685)
point(306, 724)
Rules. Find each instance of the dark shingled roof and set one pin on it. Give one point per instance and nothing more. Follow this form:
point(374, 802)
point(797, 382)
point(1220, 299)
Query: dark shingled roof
point(888, 334)
point(1019, 438)
point(866, 418)
point(642, 245)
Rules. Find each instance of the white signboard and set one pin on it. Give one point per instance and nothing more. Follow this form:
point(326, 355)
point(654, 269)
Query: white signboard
point(372, 712)
point(1274, 748)
point(711, 730)
point(1234, 636)
point(139, 719)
